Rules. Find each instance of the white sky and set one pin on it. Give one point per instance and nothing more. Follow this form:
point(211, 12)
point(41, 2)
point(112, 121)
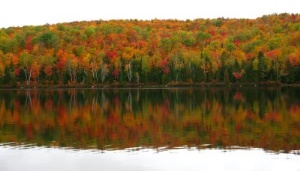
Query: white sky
point(38, 12)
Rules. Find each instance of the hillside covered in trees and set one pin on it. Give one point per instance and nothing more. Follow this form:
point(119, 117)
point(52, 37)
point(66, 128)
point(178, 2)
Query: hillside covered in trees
point(127, 52)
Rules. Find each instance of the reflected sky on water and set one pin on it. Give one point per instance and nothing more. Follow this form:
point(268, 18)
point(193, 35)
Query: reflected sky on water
point(52, 159)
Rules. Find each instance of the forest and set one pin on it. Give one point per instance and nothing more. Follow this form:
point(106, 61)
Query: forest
point(160, 52)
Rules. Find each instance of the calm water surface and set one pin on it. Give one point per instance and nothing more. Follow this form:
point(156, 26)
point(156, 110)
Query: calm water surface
point(150, 129)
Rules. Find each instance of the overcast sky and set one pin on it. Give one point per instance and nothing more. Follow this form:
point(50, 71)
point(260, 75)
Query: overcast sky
point(38, 12)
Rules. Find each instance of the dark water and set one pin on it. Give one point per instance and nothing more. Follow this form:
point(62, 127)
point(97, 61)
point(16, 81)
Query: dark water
point(144, 129)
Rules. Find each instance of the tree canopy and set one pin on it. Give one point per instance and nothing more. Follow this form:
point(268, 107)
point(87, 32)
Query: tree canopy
point(153, 51)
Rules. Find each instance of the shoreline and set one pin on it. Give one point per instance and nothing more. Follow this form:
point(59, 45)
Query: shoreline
point(152, 85)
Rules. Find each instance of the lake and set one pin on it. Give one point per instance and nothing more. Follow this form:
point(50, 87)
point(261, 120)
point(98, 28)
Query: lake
point(150, 129)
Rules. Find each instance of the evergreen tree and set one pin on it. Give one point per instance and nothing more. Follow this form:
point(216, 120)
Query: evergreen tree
point(261, 66)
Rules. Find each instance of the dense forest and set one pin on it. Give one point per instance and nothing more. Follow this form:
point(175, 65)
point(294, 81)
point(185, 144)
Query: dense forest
point(133, 52)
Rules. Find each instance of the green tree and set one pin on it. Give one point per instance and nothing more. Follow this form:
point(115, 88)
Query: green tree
point(226, 77)
point(26, 64)
point(48, 40)
point(261, 66)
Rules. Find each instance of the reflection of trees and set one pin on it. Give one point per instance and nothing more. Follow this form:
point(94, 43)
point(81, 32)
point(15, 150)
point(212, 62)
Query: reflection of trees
point(28, 98)
point(103, 101)
point(136, 117)
point(94, 104)
point(73, 98)
point(129, 101)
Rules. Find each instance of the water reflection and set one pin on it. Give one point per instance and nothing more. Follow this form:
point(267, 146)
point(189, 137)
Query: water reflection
point(152, 118)
point(53, 159)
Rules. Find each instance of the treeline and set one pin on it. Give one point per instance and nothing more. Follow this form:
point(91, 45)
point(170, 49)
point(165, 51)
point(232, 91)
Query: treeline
point(156, 51)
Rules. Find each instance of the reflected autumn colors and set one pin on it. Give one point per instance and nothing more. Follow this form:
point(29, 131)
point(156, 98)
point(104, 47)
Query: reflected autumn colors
point(152, 118)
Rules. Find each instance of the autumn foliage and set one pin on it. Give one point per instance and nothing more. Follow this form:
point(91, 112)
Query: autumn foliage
point(154, 51)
